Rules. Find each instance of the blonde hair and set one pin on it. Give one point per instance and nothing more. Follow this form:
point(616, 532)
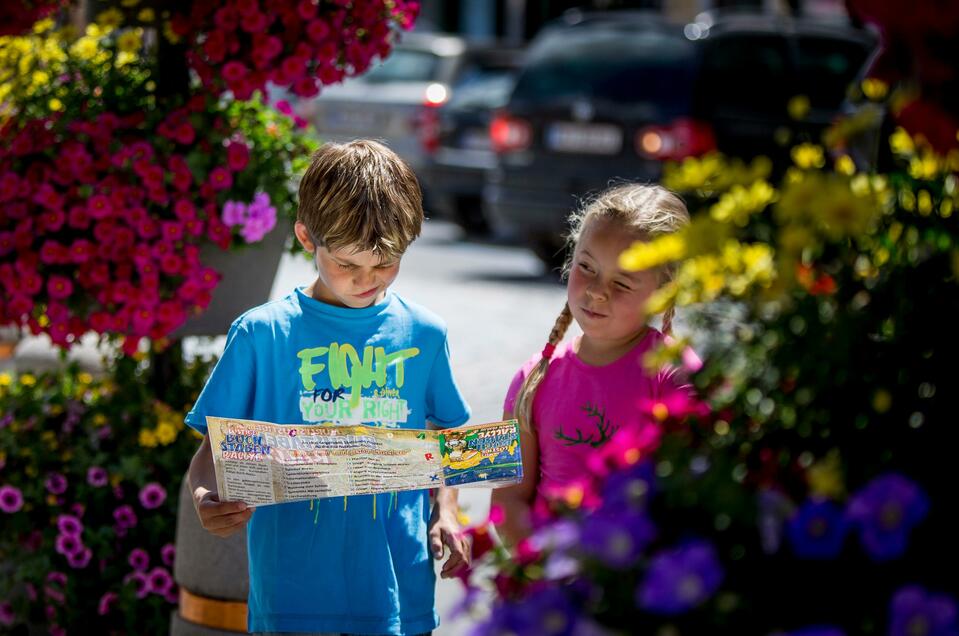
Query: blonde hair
point(646, 211)
point(361, 194)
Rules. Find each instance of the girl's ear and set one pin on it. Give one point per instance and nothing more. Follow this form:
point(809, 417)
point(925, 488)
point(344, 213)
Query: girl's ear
point(303, 236)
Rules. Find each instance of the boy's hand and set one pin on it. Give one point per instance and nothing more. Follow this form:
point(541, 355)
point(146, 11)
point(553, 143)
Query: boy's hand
point(445, 530)
point(221, 518)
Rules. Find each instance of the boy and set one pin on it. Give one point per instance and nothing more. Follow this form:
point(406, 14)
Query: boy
point(344, 350)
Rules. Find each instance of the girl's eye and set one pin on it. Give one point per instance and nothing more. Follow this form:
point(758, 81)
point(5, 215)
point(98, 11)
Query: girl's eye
point(623, 286)
point(585, 267)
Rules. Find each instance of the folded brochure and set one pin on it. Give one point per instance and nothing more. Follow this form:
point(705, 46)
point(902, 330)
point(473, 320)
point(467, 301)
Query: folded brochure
point(262, 463)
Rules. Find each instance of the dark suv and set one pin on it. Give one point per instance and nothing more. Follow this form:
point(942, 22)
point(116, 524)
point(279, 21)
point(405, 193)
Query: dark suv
point(613, 95)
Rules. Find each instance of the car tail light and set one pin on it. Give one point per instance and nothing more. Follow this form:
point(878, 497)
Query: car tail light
point(509, 134)
point(426, 123)
point(678, 140)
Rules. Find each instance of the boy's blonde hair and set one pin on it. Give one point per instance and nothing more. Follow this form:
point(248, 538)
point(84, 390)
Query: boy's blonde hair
point(361, 194)
point(645, 211)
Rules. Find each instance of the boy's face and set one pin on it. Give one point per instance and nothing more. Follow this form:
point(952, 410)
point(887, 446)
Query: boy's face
point(348, 278)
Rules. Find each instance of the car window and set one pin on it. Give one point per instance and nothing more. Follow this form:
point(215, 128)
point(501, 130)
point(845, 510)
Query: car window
point(486, 89)
point(826, 68)
point(405, 65)
point(621, 65)
point(744, 74)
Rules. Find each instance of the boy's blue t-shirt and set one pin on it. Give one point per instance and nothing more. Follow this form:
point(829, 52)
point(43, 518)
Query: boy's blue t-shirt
point(358, 564)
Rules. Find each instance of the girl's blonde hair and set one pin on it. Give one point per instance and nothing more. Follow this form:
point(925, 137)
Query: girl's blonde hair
point(646, 211)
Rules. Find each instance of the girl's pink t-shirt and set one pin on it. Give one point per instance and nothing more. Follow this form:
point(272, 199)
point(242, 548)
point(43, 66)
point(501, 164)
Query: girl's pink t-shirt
point(578, 407)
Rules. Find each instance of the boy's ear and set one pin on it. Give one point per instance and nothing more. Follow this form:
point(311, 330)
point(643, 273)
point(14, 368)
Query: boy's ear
point(303, 236)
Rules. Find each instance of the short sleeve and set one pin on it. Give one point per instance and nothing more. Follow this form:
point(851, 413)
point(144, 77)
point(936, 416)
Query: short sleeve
point(229, 390)
point(509, 404)
point(445, 405)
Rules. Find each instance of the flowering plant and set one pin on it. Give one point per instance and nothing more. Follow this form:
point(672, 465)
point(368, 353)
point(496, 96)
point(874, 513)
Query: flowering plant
point(809, 462)
point(108, 198)
point(90, 470)
point(17, 17)
point(240, 45)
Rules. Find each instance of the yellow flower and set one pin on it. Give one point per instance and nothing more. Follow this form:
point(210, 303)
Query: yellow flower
point(84, 378)
point(129, 3)
point(110, 19)
point(146, 15)
point(798, 107)
point(85, 48)
point(130, 41)
point(5, 379)
point(55, 104)
point(27, 380)
point(51, 500)
point(825, 477)
point(845, 165)
point(647, 254)
point(147, 438)
point(42, 26)
point(841, 213)
point(169, 34)
point(925, 166)
point(881, 401)
point(99, 419)
point(808, 156)
point(165, 434)
point(874, 89)
point(901, 143)
point(740, 203)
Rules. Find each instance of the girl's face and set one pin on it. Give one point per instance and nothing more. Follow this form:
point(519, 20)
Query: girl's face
point(348, 278)
point(606, 301)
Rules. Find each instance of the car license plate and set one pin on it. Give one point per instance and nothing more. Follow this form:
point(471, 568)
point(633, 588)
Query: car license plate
point(475, 139)
point(597, 139)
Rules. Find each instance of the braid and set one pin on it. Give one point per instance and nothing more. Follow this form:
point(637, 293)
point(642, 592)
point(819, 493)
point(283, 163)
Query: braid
point(524, 399)
point(668, 319)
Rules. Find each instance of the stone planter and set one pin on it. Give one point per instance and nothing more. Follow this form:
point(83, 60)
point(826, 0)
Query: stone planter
point(212, 575)
point(248, 277)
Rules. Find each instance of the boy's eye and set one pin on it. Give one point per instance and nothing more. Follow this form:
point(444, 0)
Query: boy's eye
point(386, 266)
point(346, 266)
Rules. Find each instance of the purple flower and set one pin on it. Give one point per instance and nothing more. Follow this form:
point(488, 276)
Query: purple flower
point(125, 517)
point(138, 559)
point(152, 495)
point(81, 559)
point(11, 499)
point(56, 483)
point(234, 213)
point(7, 615)
point(261, 218)
point(68, 544)
point(631, 488)
point(548, 611)
point(140, 584)
point(915, 611)
point(160, 581)
point(168, 554)
point(108, 599)
point(68, 524)
point(97, 476)
point(817, 530)
point(617, 540)
point(680, 579)
point(558, 536)
point(886, 511)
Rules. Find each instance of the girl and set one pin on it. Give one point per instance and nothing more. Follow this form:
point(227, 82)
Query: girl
point(571, 398)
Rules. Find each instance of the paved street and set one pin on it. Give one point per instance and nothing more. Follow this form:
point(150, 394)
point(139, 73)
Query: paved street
point(499, 308)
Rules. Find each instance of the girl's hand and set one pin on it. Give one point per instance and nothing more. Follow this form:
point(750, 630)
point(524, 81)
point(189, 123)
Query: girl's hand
point(445, 530)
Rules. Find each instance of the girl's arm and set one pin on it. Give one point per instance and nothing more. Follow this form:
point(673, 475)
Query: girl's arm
point(517, 500)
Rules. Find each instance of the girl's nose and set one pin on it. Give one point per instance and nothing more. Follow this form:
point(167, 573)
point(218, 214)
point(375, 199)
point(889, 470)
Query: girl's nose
point(595, 291)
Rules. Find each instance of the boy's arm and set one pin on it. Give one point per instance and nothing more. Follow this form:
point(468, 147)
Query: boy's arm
point(445, 530)
point(221, 518)
point(515, 500)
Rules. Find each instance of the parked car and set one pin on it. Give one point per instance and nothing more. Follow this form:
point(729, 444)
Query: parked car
point(458, 141)
point(394, 101)
point(614, 95)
